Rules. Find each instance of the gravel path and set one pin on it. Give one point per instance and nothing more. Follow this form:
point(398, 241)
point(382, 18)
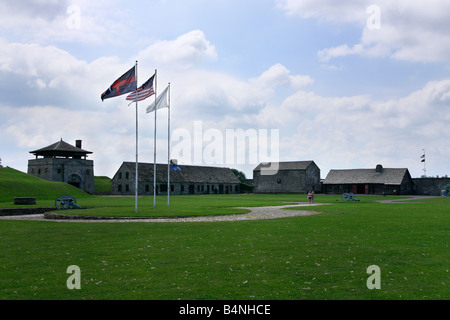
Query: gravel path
point(256, 213)
point(407, 199)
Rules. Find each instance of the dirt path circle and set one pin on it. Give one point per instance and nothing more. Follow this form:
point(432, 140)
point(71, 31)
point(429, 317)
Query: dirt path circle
point(256, 213)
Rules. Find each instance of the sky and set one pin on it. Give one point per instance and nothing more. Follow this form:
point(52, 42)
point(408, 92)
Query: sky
point(347, 84)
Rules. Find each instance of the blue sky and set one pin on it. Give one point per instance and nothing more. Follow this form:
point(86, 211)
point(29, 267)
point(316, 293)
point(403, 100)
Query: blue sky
point(345, 86)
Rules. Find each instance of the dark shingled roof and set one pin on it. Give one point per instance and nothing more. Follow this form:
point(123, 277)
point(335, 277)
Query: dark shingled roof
point(60, 148)
point(188, 173)
point(388, 176)
point(286, 165)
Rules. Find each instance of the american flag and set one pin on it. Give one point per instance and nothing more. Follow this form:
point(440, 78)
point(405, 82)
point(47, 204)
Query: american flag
point(143, 92)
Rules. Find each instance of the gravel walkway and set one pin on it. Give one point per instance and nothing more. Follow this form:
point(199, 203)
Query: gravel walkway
point(256, 213)
point(407, 199)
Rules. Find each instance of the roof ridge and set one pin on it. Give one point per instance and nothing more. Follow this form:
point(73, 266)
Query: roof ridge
point(57, 144)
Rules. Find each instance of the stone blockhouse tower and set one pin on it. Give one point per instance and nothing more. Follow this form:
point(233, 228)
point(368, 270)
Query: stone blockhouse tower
point(64, 162)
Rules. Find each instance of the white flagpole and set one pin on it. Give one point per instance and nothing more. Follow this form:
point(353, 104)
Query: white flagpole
point(137, 173)
point(154, 152)
point(424, 164)
point(168, 151)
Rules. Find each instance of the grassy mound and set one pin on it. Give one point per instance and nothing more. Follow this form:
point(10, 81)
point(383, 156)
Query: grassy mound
point(102, 185)
point(14, 183)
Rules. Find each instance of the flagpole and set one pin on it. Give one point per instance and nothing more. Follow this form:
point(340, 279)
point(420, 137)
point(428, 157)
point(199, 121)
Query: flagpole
point(137, 173)
point(154, 150)
point(424, 162)
point(168, 151)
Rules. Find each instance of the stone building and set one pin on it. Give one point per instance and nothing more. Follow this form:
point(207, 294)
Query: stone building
point(369, 181)
point(64, 162)
point(287, 177)
point(430, 186)
point(184, 179)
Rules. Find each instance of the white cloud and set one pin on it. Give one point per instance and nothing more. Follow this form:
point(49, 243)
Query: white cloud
point(279, 75)
point(187, 49)
point(329, 10)
point(410, 30)
point(49, 75)
point(51, 21)
point(46, 10)
point(340, 51)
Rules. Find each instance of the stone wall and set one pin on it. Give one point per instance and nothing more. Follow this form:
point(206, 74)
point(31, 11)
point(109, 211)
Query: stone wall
point(288, 181)
point(24, 211)
point(429, 186)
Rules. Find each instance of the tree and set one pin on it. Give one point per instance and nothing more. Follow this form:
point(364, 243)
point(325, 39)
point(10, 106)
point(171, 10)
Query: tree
point(447, 189)
point(239, 174)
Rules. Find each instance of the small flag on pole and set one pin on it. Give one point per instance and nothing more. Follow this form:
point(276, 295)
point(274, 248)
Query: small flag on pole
point(161, 102)
point(174, 165)
point(126, 83)
point(143, 92)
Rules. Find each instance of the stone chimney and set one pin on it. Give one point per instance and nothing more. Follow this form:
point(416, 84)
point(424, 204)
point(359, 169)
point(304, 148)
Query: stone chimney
point(379, 169)
point(78, 143)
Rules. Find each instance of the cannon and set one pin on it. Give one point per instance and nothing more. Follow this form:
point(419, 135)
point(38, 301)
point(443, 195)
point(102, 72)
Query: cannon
point(66, 202)
point(350, 196)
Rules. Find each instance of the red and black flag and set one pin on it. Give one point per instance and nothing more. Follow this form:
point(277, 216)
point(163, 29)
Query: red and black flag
point(126, 83)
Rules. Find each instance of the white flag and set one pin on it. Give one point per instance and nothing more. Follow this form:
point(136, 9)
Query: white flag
point(161, 102)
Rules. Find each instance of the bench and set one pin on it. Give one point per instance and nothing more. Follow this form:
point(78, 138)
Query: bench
point(24, 200)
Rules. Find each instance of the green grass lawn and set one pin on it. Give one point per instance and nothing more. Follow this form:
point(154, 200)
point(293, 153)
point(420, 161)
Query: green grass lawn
point(180, 205)
point(102, 185)
point(324, 256)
